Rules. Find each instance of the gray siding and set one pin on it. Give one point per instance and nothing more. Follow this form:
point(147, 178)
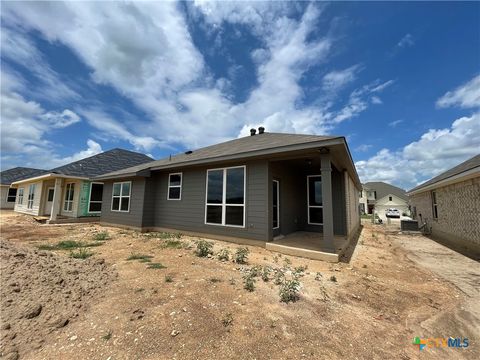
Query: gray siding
point(188, 214)
point(132, 218)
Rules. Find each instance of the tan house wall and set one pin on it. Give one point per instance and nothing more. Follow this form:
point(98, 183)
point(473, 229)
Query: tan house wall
point(76, 196)
point(458, 207)
point(37, 199)
point(384, 204)
point(351, 197)
point(3, 200)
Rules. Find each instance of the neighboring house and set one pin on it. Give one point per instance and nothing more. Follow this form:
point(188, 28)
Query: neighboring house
point(258, 187)
point(8, 194)
point(68, 191)
point(450, 205)
point(380, 196)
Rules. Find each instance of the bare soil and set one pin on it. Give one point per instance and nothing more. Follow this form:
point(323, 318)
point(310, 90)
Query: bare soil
point(198, 308)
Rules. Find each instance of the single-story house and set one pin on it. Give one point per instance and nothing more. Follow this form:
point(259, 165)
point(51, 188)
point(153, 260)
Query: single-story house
point(68, 191)
point(449, 204)
point(255, 189)
point(8, 194)
point(380, 196)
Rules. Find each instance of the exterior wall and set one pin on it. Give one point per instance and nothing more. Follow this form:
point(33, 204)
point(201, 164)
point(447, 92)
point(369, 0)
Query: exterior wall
point(384, 204)
point(458, 207)
point(351, 204)
point(188, 214)
point(84, 199)
point(134, 217)
point(76, 198)
point(37, 199)
point(3, 200)
point(45, 185)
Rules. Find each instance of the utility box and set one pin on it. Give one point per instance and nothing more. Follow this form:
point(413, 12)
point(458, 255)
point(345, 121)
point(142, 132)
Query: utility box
point(409, 225)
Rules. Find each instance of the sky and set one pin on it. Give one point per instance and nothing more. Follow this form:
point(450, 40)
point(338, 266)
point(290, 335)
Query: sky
point(401, 81)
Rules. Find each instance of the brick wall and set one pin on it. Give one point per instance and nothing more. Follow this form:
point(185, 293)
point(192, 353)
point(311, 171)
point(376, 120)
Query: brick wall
point(458, 207)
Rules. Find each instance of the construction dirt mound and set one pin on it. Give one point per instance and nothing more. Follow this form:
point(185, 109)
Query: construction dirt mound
point(41, 292)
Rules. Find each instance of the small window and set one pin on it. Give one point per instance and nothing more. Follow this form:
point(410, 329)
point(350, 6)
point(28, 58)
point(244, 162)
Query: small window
point(390, 198)
point(69, 193)
point(50, 195)
point(434, 205)
point(96, 194)
point(20, 196)
point(121, 196)
point(12, 194)
point(315, 200)
point(174, 186)
point(225, 203)
point(31, 196)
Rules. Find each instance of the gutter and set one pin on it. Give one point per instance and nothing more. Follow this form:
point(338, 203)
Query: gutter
point(48, 176)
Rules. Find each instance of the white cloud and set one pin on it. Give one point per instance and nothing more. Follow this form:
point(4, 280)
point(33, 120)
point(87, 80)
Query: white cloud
point(93, 148)
point(376, 100)
point(406, 41)
point(337, 79)
point(363, 147)
point(436, 151)
point(395, 123)
point(465, 96)
point(61, 120)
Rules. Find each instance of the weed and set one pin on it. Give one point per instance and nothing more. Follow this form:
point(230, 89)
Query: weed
point(232, 281)
point(172, 244)
point(318, 276)
point(107, 336)
point(241, 255)
point(299, 271)
point(204, 248)
point(227, 320)
point(101, 236)
point(289, 291)
point(168, 278)
point(279, 277)
point(333, 278)
point(140, 257)
point(287, 262)
point(81, 253)
point(249, 283)
point(275, 259)
point(223, 255)
point(156, 266)
point(266, 273)
point(215, 280)
point(255, 271)
point(67, 245)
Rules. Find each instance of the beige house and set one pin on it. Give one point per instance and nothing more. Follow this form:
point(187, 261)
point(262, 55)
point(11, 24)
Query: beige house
point(8, 193)
point(380, 196)
point(449, 205)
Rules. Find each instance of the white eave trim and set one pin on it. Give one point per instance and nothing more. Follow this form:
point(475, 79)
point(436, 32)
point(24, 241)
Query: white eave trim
point(48, 176)
point(466, 175)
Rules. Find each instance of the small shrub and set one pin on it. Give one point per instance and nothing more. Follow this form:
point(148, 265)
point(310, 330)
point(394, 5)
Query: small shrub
point(241, 255)
point(289, 291)
point(255, 271)
point(214, 280)
point(249, 283)
point(266, 273)
point(81, 253)
point(172, 244)
point(140, 257)
point(107, 336)
point(275, 259)
point(156, 266)
point(223, 255)
point(333, 278)
point(204, 248)
point(67, 245)
point(299, 271)
point(227, 320)
point(279, 277)
point(168, 279)
point(318, 276)
point(101, 236)
point(287, 262)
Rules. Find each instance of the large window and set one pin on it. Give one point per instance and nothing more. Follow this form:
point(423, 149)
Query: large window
point(12, 194)
point(225, 203)
point(121, 196)
point(434, 205)
point(20, 196)
point(315, 202)
point(31, 196)
point(69, 192)
point(96, 193)
point(174, 186)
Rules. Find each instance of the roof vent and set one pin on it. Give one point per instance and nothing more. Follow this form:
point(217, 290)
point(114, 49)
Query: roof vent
point(188, 152)
point(252, 132)
point(261, 130)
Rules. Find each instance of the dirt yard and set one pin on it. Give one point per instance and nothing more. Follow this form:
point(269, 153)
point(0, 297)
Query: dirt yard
point(168, 303)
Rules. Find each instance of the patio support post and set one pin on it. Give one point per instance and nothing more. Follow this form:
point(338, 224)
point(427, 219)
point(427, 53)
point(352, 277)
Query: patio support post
point(326, 171)
point(57, 199)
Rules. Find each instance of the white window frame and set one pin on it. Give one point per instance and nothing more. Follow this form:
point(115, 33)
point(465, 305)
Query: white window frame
point(68, 201)
point(32, 193)
point(308, 200)
point(95, 202)
point(20, 196)
point(121, 196)
point(14, 197)
point(175, 186)
point(224, 196)
point(434, 205)
point(278, 204)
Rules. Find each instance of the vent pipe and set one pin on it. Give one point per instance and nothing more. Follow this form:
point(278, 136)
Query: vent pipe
point(252, 132)
point(261, 130)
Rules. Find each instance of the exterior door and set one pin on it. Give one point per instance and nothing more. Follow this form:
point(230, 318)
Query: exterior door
point(276, 207)
point(48, 204)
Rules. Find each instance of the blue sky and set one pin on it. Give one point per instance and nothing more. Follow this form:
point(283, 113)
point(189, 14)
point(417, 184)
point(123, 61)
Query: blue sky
point(400, 80)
